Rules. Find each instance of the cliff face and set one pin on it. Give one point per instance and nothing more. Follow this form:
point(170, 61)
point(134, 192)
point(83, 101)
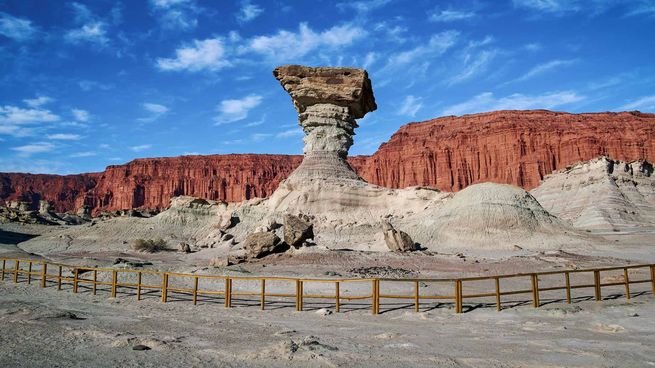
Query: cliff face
point(450, 153)
point(512, 147)
point(62, 191)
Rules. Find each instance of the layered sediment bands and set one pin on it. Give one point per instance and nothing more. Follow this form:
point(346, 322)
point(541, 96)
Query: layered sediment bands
point(151, 183)
point(63, 192)
point(509, 147)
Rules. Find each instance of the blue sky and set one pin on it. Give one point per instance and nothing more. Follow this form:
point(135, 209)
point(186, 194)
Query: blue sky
point(88, 84)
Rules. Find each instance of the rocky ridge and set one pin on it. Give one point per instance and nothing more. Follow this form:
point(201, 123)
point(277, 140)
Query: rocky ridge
point(449, 153)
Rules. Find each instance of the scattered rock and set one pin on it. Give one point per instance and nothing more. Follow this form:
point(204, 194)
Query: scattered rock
point(140, 347)
point(184, 248)
point(259, 244)
point(297, 229)
point(383, 271)
point(323, 312)
point(397, 241)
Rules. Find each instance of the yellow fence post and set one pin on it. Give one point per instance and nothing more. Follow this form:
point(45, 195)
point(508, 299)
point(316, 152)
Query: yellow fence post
point(652, 278)
point(114, 280)
point(228, 292)
point(44, 273)
point(138, 285)
point(59, 279)
point(16, 267)
point(535, 290)
point(29, 272)
point(567, 280)
point(75, 272)
point(458, 296)
point(95, 281)
point(417, 296)
point(263, 293)
point(597, 285)
point(164, 287)
point(337, 297)
point(375, 297)
point(300, 295)
point(195, 290)
point(627, 283)
point(497, 280)
point(4, 262)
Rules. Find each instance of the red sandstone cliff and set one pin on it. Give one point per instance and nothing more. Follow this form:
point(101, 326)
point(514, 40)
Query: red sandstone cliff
point(513, 147)
point(450, 153)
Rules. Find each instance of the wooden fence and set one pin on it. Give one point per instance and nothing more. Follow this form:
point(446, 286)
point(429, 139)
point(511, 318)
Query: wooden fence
point(165, 285)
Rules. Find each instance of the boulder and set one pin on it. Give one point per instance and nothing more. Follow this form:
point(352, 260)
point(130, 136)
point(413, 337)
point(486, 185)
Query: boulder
point(396, 240)
point(261, 243)
point(297, 229)
point(45, 208)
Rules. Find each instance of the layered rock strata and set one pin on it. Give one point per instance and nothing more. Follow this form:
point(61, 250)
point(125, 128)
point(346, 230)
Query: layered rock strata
point(328, 101)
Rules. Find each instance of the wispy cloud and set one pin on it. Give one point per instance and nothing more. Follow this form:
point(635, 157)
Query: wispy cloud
point(410, 106)
point(141, 147)
point(34, 148)
point(249, 11)
point(644, 103)
point(295, 132)
point(544, 68)
point(474, 64)
point(176, 14)
point(80, 115)
point(363, 6)
point(200, 55)
point(155, 112)
point(91, 32)
point(437, 45)
point(18, 29)
point(36, 102)
point(232, 110)
point(487, 102)
point(83, 154)
point(286, 45)
point(64, 137)
point(17, 115)
point(449, 15)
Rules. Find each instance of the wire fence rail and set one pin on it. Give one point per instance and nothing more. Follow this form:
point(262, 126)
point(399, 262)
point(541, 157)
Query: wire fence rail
point(167, 285)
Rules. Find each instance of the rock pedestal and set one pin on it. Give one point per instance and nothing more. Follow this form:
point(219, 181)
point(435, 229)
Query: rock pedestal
point(328, 101)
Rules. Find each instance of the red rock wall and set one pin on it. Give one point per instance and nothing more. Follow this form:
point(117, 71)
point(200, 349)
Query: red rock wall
point(513, 147)
point(62, 191)
point(450, 153)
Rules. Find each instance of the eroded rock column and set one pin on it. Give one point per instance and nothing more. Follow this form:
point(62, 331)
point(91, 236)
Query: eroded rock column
point(328, 101)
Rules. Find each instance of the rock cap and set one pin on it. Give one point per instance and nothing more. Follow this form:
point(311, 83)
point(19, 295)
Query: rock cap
point(348, 87)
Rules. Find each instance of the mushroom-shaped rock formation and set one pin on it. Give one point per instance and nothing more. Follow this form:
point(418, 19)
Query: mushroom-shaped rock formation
point(328, 101)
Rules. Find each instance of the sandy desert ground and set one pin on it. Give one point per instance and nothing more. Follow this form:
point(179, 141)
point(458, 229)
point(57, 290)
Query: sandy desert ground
point(46, 327)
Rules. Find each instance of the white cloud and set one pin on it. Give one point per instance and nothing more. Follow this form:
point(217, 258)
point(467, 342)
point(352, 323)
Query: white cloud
point(156, 111)
point(544, 68)
point(644, 103)
point(236, 109)
point(370, 58)
point(83, 154)
point(436, 46)
point(17, 115)
point(176, 14)
point(410, 106)
point(364, 5)
point(295, 132)
point(34, 148)
point(451, 15)
point(256, 123)
point(550, 6)
point(258, 137)
point(487, 102)
point(473, 65)
point(201, 55)
point(141, 147)
point(93, 32)
point(81, 115)
point(36, 102)
point(287, 45)
point(18, 29)
point(64, 137)
point(249, 12)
